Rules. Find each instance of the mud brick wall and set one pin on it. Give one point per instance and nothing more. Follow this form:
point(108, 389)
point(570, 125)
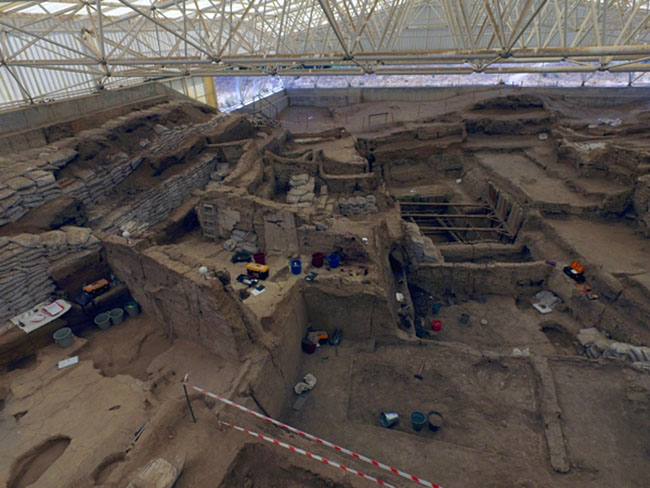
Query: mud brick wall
point(25, 260)
point(642, 203)
point(273, 223)
point(184, 305)
point(156, 204)
point(285, 329)
point(360, 314)
point(35, 177)
point(348, 184)
point(469, 279)
point(488, 251)
point(349, 246)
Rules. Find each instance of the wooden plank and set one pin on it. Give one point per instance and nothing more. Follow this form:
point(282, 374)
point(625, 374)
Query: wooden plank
point(443, 204)
point(475, 229)
point(451, 232)
point(514, 220)
point(501, 207)
point(492, 194)
point(451, 216)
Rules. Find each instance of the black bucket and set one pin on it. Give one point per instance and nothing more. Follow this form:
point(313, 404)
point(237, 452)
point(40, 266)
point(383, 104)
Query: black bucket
point(435, 420)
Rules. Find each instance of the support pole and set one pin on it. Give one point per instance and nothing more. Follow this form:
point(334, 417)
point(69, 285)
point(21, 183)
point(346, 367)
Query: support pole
point(210, 92)
point(187, 398)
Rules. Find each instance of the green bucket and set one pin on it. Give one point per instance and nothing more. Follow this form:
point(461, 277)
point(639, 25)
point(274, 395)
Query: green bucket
point(132, 309)
point(103, 321)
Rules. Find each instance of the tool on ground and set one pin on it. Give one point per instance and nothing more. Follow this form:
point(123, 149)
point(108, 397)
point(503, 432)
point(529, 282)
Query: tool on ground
point(256, 270)
point(247, 280)
point(418, 375)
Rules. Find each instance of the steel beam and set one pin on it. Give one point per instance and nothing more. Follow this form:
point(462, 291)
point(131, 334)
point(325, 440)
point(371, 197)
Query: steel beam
point(294, 37)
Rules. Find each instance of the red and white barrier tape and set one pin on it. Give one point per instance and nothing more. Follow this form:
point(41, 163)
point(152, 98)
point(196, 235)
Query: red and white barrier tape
point(360, 457)
point(308, 454)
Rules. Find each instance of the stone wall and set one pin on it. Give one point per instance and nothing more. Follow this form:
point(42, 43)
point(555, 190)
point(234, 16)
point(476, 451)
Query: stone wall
point(469, 279)
point(25, 260)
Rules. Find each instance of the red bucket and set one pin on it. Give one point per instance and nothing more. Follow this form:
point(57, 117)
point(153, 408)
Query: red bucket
point(436, 325)
point(259, 258)
point(308, 346)
point(317, 259)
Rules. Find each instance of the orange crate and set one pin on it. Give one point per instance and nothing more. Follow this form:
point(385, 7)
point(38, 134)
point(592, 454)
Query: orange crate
point(95, 286)
point(577, 266)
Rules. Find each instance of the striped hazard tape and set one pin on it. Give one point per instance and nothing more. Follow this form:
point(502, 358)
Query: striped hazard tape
point(308, 454)
point(343, 450)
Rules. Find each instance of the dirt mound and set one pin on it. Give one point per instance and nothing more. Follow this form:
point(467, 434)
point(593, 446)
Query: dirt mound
point(510, 102)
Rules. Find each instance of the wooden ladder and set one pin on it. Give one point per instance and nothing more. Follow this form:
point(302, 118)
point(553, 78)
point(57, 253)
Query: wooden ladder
point(209, 222)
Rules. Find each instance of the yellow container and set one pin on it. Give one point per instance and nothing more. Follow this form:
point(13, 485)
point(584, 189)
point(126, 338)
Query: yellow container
point(256, 270)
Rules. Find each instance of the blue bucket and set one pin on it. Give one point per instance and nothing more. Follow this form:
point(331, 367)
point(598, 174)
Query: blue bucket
point(296, 266)
point(436, 308)
point(333, 260)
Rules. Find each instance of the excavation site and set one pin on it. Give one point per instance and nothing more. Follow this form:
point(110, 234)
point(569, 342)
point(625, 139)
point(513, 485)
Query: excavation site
point(339, 287)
